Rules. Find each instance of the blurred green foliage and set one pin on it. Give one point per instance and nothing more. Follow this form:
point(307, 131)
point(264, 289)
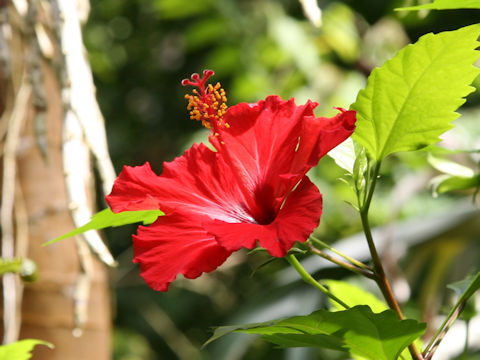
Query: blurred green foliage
point(140, 50)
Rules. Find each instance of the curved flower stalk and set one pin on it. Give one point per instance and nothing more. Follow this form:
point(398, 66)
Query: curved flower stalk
point(252, 189)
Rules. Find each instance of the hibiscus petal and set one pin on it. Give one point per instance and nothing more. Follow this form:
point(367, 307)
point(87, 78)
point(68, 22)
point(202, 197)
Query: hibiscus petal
point(296, 220)
point(175, 244)
point(133, 188)
point(274, 139)
point(261, 137)
point(199, 182)
point(331, 132)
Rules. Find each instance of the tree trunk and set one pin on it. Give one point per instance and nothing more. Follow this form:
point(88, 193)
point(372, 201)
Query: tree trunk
point(47, 181)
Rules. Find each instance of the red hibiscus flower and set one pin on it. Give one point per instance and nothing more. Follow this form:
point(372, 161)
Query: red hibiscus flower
point(253, 188)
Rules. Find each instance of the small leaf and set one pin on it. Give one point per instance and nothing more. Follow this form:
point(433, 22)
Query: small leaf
point(450, 167)
point(411, 100)
point(358, 331)
point(445, 5)
point(445, 183)
point(360, 169)
point(466, 287)
point(107, 218)
point(21, 350)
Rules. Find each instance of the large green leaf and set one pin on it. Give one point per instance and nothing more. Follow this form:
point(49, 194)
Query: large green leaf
point(358, 331)
point(445, 5)
point(20, 350)
point(412, 98)
point(354, 295)
point(107, 218)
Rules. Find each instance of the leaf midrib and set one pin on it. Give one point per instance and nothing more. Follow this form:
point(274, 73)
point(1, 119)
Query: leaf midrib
point(400, 112)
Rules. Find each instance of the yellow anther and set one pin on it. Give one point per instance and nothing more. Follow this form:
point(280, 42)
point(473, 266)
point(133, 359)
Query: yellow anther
point(208, 103)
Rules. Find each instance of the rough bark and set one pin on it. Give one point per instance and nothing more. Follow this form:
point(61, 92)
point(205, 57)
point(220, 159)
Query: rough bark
point(69, 304)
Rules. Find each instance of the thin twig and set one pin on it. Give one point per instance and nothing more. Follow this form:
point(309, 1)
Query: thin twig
point(355, 262)
point(437, 339)
point(348, 266)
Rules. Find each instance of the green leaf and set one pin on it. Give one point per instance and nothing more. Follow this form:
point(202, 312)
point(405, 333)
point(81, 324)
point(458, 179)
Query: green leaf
point(466, 287)
point(450, 167)
point(411, 100)
point(354, 295)
point(358, 331)
point(21, 350)
point(107, 218)
point(445, 5)
point(445, 183)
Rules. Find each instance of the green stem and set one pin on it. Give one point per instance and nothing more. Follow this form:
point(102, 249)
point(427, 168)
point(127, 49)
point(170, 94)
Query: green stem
point(346, 257)
point(367, 273)
point(310, 280)
point(369, 195)
point(380, 275)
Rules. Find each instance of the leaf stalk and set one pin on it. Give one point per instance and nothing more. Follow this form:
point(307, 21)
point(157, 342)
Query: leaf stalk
point(310, 280)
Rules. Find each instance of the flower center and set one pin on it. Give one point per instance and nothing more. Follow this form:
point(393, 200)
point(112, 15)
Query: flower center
point(208, 103)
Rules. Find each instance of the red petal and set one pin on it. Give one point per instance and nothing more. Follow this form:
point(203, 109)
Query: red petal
point(275, 140)
point(331, 132)
point(296, 220)
point(175, 244)
point(199, 182)
point(133, 188)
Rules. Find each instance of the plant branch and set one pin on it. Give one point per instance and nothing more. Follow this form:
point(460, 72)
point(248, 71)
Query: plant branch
point(355, 262)
point(367, 273)
point(310, 280)
point(442, 330)
point(380, 276)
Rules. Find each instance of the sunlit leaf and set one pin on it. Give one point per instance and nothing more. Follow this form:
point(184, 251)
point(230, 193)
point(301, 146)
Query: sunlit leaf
point(107, 218)
point(354, 295)
point(412, 98)
point(344, 155)
point(358, 331)
point(445, 5)
point(450, 167)
point(21, 350)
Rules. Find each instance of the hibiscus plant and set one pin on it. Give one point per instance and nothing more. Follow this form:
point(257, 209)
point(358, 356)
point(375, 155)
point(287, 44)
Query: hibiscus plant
point(249, 187)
